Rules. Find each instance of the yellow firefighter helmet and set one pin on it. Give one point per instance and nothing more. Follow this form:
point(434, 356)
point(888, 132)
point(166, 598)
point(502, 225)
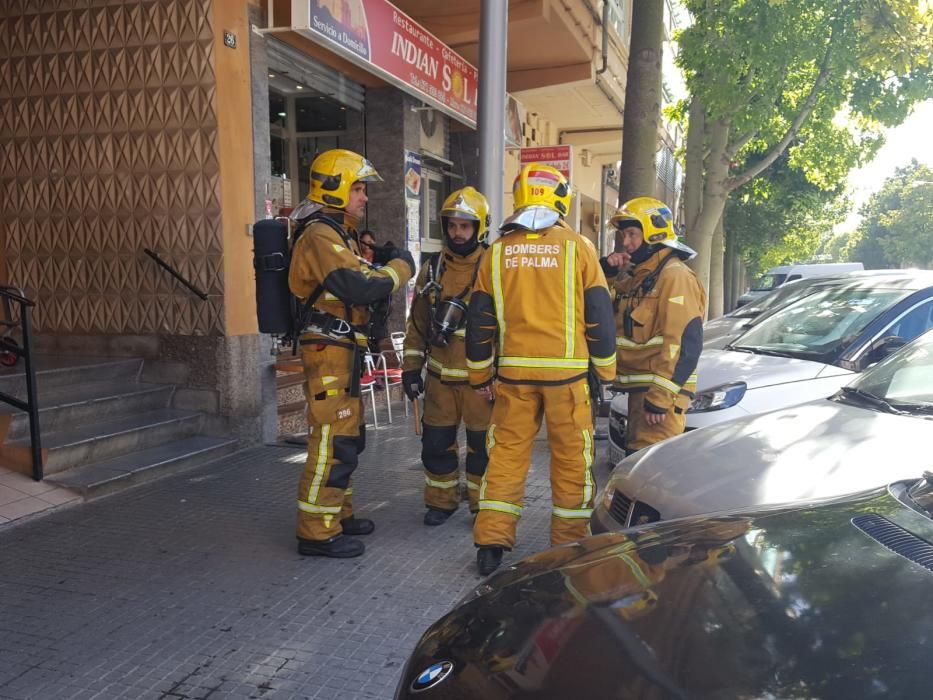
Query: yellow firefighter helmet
point(651, 215)
point(541, 185)
point(468, 203)
point(334, 172)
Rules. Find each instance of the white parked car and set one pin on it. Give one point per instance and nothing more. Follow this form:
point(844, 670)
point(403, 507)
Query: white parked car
point(874, 431)
point(804, 351)
point(719, 332)
point(777, 276)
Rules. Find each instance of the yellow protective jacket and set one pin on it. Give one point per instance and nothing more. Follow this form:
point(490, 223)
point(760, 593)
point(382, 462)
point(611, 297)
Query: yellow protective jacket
point(322, 257)
point(540, 311)
point(659, 330)
point(455, 274)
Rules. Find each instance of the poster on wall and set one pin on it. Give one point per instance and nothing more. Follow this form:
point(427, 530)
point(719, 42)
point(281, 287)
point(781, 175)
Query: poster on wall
point(413, 203)
point(514, 118)
point(380, 38)
point(412, 175)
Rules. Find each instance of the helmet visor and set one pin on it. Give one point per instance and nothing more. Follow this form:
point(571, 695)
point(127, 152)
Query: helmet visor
point(367, 173)
point(531, 218)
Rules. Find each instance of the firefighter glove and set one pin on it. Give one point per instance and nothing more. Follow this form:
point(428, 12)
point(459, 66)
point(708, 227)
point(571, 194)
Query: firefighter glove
point(413, 383)
point(384, 254)
point(407, 257)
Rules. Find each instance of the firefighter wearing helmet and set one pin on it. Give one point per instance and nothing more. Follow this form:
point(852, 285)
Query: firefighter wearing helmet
point(434, 340)
point(540, 317)
point(336, 287)
point(659, 321)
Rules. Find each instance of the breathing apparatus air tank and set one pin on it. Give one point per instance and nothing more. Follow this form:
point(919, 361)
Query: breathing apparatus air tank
point(274, 301)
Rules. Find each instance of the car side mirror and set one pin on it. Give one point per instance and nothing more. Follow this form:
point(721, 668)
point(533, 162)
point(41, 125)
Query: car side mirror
point(880, 349)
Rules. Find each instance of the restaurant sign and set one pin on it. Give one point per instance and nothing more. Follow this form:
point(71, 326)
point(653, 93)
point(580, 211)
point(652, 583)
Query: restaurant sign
point(380, 38)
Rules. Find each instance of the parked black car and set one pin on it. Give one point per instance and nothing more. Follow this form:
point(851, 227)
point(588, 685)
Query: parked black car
point(820, 600)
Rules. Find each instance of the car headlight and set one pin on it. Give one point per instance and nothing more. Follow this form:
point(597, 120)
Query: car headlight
point(718, 398)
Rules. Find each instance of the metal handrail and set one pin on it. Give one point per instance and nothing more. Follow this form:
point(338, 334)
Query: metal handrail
point(175, 273)
point(30, 406)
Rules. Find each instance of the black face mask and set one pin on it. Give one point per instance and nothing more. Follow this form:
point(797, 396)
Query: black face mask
point(462, 249)
point(644, 252)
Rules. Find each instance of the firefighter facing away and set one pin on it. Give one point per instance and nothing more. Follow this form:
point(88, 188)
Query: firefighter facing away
point(540, 317)
point(435, 337)
point(659, 322)
point(336, 287)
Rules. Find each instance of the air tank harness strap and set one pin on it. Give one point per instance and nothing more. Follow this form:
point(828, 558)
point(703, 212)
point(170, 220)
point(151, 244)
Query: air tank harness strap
point(356, 371)
point(642, 290)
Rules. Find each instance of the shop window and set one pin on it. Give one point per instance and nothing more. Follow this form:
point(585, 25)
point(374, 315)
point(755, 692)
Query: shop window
point(302, 124)
point(278, 148)
point(278, 110)
point(318, 113)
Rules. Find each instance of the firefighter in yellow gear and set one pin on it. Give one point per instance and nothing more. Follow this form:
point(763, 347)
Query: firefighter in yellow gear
point(336, 286)
point(435, 339)
point(540, 320)
point(659, 322)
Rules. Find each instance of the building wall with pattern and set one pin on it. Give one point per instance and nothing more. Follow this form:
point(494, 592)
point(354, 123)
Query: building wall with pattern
point(109, 145)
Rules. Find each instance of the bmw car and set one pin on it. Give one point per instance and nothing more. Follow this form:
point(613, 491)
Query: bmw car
point(804, 351)
point(827, 600)
point(868, 433)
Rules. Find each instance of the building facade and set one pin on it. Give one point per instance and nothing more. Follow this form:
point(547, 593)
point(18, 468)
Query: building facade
point(170, 126)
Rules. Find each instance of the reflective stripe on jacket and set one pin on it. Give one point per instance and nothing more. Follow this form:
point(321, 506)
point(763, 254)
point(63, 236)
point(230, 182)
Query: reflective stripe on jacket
point(541, 310)
point(659, 354)
point(446, 363)
point(321, 257)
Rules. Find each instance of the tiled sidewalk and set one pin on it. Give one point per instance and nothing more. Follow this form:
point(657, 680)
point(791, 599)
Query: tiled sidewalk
point(20, 496)
point(190, 587)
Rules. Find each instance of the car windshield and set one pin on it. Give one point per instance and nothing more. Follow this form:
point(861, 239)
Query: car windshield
point(820, 325)
point(787, 294)
point(904, 380)
point(766, 283)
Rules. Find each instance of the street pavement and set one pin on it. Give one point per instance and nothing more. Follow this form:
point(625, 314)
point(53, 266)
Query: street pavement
point(191, 587)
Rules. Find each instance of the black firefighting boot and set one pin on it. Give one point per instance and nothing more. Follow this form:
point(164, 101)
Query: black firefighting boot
point(339, 547)
point(488, 559)
point(357, 526)
point(436, 516)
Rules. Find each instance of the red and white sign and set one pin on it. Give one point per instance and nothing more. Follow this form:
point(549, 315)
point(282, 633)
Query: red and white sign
point(560, 157)
point(377, 36)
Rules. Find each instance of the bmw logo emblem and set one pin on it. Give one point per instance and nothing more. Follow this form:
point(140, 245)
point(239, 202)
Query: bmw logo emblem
point(432, 676)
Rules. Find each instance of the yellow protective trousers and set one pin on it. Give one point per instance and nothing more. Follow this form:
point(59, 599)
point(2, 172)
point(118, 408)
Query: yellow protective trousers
point(639, 434)
point(336, 438)
point(516, 419)
point(445, 406)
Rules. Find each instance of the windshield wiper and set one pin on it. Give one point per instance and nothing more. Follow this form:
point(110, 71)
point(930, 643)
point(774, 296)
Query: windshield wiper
point(922, 409)
point(869, 399)
point(762, 351)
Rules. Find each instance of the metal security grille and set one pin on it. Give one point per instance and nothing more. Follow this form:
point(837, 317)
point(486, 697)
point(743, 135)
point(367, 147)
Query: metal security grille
point(290, 61)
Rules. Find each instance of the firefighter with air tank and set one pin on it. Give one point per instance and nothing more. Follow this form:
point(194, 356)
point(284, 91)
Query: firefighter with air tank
point(435, 342)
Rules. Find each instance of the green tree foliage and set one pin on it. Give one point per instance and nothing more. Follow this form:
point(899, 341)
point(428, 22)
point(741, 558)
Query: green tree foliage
point(897, 222)
point(773, 77)
point(781, 219)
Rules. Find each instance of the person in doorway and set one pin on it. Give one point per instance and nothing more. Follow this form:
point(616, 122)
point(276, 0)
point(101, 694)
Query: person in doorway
point(336, 288)
point(659, 321)
point(539, 318)
point(435, 338)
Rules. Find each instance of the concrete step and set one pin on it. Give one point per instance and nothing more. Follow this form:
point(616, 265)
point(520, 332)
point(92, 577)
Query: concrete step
point(66, 407)
point(103, 440)
point(110, 475)
point(55, 372)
